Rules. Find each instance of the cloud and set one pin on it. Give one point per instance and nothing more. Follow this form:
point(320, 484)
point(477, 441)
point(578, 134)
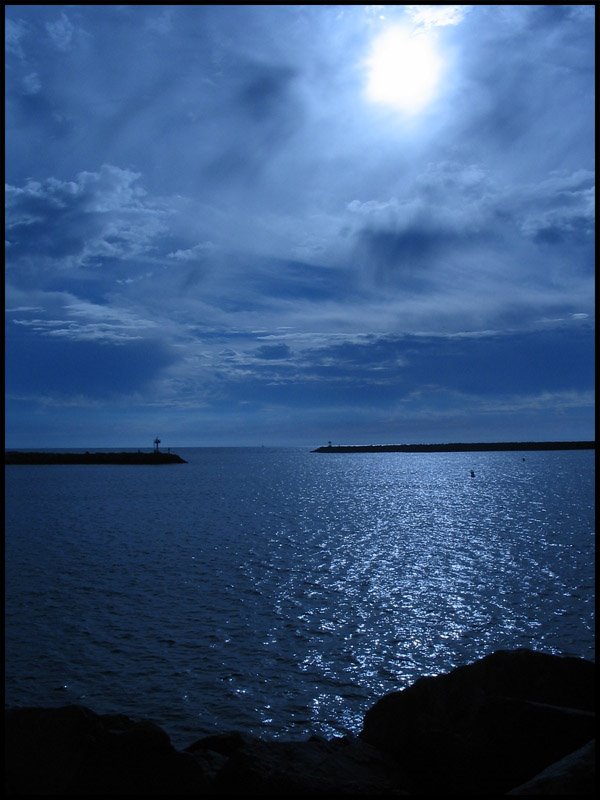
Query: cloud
point(99, 215)
point(449, 196)
point(273, 351)
point(64, 367)
point(526, 68)
point(288, 243)
point(160, 23)
point(455, 231)
point(478, 362)
point(196, 253)
point(436, 15)
point(265, 91)
point(61, 32)
point(260, 111)
point(14, 31)
point(68, 329)
point(60, 348)
point(32, 83)
point(68, 317)
point(448, 214)
point(562, 210)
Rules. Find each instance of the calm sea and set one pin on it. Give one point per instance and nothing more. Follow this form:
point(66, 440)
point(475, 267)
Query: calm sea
point(281, 592)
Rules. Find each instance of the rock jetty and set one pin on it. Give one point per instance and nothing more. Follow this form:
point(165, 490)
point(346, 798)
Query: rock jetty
point(515, 722)
point(39, 457)
point(455, 447)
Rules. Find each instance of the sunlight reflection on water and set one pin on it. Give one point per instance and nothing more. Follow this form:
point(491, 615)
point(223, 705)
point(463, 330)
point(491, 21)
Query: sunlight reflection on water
point(283, 592)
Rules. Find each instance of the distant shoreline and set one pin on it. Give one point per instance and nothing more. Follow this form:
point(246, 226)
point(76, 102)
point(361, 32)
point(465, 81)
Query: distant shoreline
point(18, 457)
point(455, 447)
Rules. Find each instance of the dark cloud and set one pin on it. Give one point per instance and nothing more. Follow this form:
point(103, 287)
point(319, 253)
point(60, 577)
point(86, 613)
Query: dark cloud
point(562, 212)
point(490, 365)
point(562, 231)
point(266, 93)
point(64, 368)
point(448, 210)
point(404, 258)
point(259, 118)
point(273, 351)
point(505, 364)
point(299, 281)
point(388, 369)
point(455, 216)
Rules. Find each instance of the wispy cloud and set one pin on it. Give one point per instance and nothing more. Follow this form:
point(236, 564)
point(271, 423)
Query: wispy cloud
point(61, 31)
point(85, 321)
point(32, 83)
point(195, 253)
point(14, 31)
point(436, 15)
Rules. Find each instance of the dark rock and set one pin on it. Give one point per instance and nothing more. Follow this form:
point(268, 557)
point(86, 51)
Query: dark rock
point(212, 752)
point(486, 727)
point(210, 762)
point(309, 768)
point(72, 751)
point(573, 775)
point(223, 743)
point(46, 748)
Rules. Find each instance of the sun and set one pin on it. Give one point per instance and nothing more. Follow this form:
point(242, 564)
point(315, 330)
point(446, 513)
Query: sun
point(404, 69)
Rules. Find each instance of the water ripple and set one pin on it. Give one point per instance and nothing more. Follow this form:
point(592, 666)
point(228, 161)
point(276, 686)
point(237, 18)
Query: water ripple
point(281, 592)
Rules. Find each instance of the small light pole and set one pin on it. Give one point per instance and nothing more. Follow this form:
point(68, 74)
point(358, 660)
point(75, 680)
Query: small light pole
point(156, 443)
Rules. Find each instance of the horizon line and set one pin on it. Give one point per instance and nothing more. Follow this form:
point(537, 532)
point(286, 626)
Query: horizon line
point(326, 446)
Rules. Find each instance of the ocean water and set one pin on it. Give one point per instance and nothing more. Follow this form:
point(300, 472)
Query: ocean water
point(282, 592)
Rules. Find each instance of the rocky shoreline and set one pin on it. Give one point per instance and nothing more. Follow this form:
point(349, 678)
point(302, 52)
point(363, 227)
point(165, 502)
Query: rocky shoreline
point(516, 722)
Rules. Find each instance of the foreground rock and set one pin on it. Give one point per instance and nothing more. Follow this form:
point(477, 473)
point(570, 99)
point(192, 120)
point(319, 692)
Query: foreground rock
point(250, 766)
point(73, 751)
point(573, 774)
point(486, 727)
point(516, 722)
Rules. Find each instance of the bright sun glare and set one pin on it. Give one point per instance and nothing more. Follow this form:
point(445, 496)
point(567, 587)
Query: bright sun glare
point(403, 69)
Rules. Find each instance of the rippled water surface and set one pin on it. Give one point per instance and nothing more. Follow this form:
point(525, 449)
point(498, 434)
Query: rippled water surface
point(282, 592)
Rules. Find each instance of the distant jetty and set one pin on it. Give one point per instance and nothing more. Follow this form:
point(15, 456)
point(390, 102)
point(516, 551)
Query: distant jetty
point(454, 447)
point(155, 457)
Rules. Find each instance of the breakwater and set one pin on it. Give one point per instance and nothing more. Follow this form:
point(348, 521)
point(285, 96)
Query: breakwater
point(17, 457)
point(455, 447)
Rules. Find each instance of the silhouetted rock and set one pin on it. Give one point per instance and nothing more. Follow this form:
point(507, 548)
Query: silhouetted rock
point(489, 726)
point(73, 751)
point(315, 767)
point(572, 775)
point(515, 722)
point(223, 743)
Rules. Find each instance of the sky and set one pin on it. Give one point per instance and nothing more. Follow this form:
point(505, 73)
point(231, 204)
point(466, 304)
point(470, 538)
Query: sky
point(288, 225)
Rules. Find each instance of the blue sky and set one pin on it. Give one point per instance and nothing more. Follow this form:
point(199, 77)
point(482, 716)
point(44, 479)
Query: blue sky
point(244, 225)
